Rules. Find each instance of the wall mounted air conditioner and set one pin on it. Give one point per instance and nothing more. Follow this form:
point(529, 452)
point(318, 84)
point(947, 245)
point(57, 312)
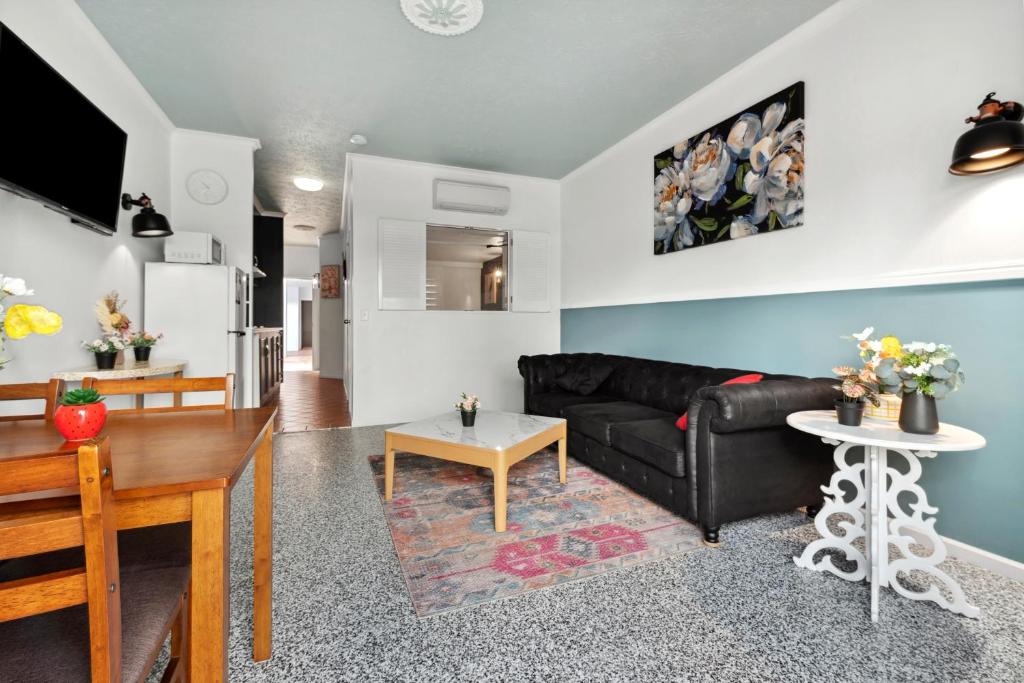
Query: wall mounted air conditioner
point(450, 195)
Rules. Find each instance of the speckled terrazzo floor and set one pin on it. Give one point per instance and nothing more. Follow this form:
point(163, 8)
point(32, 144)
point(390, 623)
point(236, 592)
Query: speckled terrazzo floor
point(740, 612)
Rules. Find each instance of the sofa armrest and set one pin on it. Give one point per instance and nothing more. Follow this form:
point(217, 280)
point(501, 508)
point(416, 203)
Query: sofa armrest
point(765, 404)
point(540, 372)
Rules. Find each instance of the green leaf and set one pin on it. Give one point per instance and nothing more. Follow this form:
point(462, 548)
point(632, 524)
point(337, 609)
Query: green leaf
point(722, 232)
point(741, 172)
point(772, 220)
point(79, 397)
point(741, 202)
point(706, 224)
point(661, 163)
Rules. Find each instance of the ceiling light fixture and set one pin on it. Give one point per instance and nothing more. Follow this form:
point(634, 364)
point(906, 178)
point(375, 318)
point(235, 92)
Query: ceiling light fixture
point(996, 141)
point(308, 184)
point(305, 228)
point(444, 17)
point(358, 139)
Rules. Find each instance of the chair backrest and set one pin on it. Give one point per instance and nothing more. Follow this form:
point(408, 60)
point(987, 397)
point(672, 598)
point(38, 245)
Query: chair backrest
point(172, 385)
point(92, 525)
point(48, 392)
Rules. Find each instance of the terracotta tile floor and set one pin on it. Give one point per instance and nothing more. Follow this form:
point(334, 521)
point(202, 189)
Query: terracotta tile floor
point(308, 401)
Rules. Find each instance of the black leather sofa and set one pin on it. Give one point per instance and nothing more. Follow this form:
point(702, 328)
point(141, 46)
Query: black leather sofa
point(737, 457)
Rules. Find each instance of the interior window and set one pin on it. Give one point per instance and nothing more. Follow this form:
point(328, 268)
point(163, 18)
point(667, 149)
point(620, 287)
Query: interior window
point(466, 269)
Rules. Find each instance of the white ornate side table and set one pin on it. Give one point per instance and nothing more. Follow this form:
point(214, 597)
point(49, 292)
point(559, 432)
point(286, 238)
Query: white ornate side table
point(878, 517)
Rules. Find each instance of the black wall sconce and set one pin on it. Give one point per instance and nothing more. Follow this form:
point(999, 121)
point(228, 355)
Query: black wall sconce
point(147, 222)
point(996, 141)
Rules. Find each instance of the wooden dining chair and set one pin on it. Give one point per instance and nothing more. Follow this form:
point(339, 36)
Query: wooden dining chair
point(171, 385)
point(48, 392)
point(60, 621)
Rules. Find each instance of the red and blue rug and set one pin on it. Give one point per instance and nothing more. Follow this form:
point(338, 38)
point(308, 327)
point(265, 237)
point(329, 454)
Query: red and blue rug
point(442, 521)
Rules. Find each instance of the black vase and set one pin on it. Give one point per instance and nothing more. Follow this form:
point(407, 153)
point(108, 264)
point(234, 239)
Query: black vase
point(468, 418)
point(105, 360)
point(850, 413)
point(142, 352)
point(918, 414)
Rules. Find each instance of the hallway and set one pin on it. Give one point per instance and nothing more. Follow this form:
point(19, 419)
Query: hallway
point(308, 401)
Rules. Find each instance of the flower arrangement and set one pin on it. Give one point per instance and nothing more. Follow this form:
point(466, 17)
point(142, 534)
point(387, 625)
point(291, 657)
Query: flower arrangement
point(858, 386)
point(21, 320)
point(109, 344)
point(918, 367)
point(110, 315)
point(469, 403)
point(143, 340)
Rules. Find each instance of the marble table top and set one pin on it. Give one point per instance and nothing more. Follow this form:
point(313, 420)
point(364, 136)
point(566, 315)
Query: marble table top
point(885, 433)
point(493, 430)
point(130, 369)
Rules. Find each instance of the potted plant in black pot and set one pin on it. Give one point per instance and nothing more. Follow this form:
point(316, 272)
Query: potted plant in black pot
point(468, 405)
point(858, 387)
point(923, 372)
point(105, 350)
point(142, 343)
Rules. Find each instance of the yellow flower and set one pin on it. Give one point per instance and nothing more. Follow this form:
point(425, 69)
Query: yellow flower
point(23, 320)
point(891, 347)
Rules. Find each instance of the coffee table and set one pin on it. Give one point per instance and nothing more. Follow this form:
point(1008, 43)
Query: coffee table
point(497, 441)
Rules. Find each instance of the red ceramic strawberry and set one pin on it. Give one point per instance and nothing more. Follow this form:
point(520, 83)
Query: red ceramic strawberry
point(81, 415)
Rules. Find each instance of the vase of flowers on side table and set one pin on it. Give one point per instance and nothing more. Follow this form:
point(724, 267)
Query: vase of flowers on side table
point(468, 405)
point(857, 389)
point(105, 350)
point(142, 343)
point(924, 372)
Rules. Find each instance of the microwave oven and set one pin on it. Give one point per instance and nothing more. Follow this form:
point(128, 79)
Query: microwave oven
point(194, 247)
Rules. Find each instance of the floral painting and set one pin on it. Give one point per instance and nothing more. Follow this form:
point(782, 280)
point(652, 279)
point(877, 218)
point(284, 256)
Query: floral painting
point(330, 282)
point(742, 177)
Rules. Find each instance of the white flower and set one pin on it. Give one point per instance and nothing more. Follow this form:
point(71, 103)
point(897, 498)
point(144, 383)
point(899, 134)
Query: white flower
point(868, 331)
point(708, 167)
point(741, 227)
point(776, 178)
point(744, 133)
point(875, 345)
point(672, 201)
point(14, 286)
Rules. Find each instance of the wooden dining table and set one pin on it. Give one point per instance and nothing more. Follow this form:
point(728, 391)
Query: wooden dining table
point(177, 467)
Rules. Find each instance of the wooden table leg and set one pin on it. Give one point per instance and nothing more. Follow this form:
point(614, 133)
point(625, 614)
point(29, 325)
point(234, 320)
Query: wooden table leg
point(177, 394)
point(140, 399)
point(262, 547)
point(211, 521)
point(562, 460)
point(389, 467)
point(500, 470)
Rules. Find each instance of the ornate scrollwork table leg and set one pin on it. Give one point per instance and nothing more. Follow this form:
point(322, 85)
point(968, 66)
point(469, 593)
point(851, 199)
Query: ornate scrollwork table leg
point(836, 504)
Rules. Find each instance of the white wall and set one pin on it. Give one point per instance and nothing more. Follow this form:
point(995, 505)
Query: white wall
point(292, 318)
point(301, 262)
point(68, 266)
point(412, 364)
point(888, 85)
point(231, 219)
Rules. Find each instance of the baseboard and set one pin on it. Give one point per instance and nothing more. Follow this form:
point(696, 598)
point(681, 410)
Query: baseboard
point(1003, 566)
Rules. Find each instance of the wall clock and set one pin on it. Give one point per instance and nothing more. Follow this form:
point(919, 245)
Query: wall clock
point(207, 186)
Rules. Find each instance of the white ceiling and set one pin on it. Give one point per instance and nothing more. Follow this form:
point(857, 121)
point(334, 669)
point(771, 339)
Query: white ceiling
point(537, 88)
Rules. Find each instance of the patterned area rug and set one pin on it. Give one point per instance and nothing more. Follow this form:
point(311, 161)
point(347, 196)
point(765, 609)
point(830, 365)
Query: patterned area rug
point(442, 522)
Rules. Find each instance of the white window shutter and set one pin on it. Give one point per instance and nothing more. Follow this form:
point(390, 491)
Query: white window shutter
point(402, 252)
point(530, 272)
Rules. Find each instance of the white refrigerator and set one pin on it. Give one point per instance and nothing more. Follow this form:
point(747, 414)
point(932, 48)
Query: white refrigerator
point(203, 313)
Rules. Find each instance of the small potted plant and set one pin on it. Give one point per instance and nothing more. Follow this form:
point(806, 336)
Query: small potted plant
point(106, 350)
point(80, 415)
point(858, 387)
point(142, 343)
point(468, 405)
point(923, 372)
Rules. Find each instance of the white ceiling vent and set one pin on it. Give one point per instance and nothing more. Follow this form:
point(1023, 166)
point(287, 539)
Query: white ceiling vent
point(444, 17)
point(450, 195)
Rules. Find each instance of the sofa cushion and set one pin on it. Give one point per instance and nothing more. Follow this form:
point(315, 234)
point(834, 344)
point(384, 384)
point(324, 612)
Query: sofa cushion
point(656, 442)
point(553, 403)
point(585, 378)
point(596, 419)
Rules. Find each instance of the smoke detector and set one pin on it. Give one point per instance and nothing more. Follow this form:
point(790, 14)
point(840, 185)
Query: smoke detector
point(444, 17)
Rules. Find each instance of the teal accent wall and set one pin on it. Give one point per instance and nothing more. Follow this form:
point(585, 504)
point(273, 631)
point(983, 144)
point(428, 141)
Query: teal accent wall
point(980, 495)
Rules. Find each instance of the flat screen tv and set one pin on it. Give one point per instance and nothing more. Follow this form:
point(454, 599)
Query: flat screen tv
point(55, 146)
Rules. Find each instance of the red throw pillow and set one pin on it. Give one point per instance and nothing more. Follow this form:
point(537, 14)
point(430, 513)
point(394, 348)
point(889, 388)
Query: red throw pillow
point(742, 379)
